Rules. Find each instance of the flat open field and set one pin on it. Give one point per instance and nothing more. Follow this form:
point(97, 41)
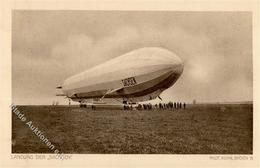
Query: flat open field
point(199, 129)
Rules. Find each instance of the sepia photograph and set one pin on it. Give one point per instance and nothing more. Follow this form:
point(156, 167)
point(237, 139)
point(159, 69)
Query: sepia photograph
point(131, 82)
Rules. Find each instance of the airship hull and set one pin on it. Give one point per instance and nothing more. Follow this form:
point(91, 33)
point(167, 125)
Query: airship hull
point(136, 76)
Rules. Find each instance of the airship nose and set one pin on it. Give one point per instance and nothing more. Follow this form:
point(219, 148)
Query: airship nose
point(167, 58)
point(177, 64)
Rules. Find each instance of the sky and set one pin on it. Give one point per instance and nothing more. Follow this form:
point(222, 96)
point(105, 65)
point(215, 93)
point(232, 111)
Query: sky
point(50, 46)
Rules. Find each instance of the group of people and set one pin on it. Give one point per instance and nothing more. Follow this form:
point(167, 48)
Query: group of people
point(171, 105)
point(149, 106)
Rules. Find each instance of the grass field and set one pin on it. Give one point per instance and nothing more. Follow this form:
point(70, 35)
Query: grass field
point(199, 129)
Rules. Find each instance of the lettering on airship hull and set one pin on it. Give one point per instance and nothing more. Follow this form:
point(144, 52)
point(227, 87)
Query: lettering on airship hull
point(129, 81)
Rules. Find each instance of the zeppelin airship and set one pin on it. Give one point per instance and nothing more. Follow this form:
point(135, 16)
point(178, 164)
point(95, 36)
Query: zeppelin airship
point(139, 75)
